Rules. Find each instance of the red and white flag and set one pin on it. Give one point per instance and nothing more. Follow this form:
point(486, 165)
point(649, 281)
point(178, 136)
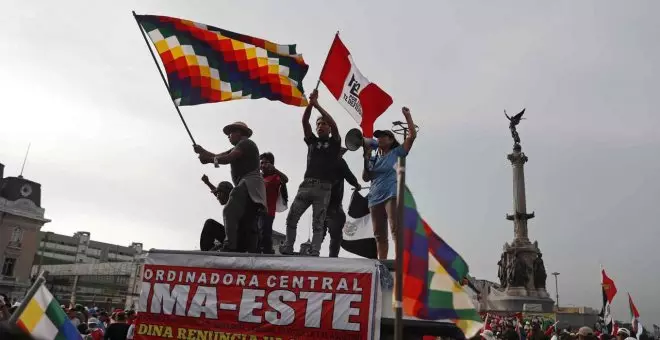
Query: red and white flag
point(636, 324)
point(609, 291)
point(363, 100)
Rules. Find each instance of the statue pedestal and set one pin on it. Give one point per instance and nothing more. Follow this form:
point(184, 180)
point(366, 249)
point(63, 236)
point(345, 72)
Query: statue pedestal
point(516, 299)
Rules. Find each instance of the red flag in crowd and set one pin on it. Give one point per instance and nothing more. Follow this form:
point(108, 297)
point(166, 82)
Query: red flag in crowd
point(609, 291)
point(363, 100)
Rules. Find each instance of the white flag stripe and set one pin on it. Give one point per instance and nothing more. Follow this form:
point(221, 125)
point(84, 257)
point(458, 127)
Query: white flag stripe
point(45, 329)
point(43, 297)
point(354, 83)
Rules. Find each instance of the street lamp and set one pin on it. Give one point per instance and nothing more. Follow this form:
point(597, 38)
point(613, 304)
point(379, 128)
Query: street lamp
point(555, 274)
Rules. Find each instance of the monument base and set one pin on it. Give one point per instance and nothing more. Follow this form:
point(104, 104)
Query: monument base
point(519, 299)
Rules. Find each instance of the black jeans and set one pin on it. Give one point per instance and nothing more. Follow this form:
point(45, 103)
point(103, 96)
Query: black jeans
point(335, 219)
point(266, 234)
point(248, 235)
point(241, 221)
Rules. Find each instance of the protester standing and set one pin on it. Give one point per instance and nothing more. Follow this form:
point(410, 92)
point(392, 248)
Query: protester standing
point(335, 217)
point(248, 198)
point(380, 171)
point(274, 181)
point(322, 157)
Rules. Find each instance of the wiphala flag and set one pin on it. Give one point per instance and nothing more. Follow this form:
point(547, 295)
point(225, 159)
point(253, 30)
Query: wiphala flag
point(206, 64)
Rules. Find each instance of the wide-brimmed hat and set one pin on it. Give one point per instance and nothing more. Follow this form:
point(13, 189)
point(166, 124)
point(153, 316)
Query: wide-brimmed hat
point(237, 125)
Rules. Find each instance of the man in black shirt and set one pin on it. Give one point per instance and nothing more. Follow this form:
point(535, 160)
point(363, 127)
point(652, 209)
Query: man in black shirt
point(249, 194)
point(335, 217)
point(322, 158)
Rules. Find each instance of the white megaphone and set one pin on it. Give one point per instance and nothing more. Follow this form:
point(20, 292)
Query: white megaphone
point(354, 139)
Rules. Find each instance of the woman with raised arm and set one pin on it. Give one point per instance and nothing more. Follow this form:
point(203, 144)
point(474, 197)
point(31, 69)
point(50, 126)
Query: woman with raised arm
point(380, 170)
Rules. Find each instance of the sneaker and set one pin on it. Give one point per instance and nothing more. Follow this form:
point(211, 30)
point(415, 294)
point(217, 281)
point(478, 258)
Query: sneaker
point(286, 249)
point(314, 253)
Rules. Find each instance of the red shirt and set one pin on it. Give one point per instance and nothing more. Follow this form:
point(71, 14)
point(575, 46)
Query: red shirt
point(272, 192)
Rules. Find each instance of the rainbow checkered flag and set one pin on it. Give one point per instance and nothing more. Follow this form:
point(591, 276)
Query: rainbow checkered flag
point(41, 316)
point(206, 64)
point(433, 275)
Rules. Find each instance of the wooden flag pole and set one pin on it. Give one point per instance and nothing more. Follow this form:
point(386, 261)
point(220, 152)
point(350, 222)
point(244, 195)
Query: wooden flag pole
point(30, 293)
point(326, 60)
point(162, 76)
point(400, 196)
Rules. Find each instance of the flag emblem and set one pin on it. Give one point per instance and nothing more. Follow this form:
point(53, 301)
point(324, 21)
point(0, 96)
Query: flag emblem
point(206, 64)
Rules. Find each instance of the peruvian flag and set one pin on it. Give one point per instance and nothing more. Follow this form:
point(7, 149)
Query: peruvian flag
point(609, 291)
point(636, 324)
point(363, 100)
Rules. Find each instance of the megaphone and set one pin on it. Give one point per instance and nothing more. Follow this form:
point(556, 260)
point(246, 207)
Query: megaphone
point(354, 139)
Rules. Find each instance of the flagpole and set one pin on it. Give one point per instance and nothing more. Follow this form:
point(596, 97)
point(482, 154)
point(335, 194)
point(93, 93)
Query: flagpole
point(162, 76)
point(325, 62)
point(30, 293)
point(400, 192)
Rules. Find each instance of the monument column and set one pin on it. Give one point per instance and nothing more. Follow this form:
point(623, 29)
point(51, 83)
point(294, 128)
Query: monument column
point(521, 269)
point(520, 215)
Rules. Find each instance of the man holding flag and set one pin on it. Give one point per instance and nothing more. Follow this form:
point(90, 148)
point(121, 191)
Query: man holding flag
point(322, 159)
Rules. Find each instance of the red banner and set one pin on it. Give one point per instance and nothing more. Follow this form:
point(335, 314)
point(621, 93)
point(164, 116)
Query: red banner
point(184, 302)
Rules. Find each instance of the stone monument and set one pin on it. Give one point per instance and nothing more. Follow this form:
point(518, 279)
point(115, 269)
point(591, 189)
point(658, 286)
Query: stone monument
point(521, 271)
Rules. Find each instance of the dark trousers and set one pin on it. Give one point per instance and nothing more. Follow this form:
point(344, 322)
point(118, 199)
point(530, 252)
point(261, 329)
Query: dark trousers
point(335, 219)
point(266, 234)
point(248, 233)
point(241, 220)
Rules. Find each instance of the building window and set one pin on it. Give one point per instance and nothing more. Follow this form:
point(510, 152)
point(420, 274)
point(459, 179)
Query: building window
point(16, 235)
point(8, 266)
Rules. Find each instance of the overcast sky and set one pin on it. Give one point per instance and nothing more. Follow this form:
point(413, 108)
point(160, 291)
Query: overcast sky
point(78, 83)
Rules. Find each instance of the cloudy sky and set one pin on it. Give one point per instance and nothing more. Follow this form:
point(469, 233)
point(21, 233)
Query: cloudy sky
point(79, 84)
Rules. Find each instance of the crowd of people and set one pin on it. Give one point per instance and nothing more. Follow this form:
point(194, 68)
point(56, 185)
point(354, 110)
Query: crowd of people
point(92, 323)
point(514, 328)
point(258, 188)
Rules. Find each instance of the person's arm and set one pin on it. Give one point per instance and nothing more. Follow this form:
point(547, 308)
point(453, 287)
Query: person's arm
point(412, 132)
point(208, 183)
point(326, 116)
point(366, 173)
point(348, 175)
point(307, 128)
point(205, 156)
point(227, 157)
point(283, 178)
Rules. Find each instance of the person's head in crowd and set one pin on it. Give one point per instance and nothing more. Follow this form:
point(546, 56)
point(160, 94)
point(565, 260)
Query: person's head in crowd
point(103, 316)
point(585, 333)
point(267, 163)
point(386, 140)
point(120, 317)
point(237, 132)
point(222, 192)
point(622, 334)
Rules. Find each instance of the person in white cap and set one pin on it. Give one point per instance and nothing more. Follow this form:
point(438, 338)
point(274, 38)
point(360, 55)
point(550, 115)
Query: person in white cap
point(248, 198)
point(585, 333)
point(622, 334)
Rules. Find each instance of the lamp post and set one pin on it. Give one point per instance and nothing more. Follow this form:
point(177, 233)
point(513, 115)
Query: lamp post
point(556, 274)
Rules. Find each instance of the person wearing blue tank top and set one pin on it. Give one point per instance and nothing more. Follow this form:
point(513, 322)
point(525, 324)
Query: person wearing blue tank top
point(380, 170)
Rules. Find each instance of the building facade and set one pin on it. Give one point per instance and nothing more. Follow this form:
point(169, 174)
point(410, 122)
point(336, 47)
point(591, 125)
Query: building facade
point(21, 219)
point(91, 273)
